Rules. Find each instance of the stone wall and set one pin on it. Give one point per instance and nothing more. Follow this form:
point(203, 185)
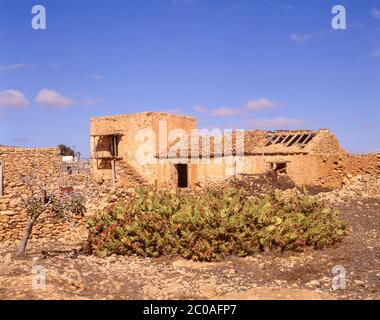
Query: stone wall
point(44, 164)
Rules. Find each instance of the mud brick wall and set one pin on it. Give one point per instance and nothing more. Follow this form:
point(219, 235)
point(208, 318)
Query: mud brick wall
point(43, 163)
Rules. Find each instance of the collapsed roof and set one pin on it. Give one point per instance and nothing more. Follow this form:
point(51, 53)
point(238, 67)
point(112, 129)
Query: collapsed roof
point(258, 142)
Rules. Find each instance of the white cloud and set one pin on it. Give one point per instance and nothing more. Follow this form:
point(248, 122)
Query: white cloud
point(260, 104)
point(51, 98)
point(275, 123)
point(301, 38)
point(376, 13)
point(250, 106)
point(54, 99)
point(10, 67)
point(13, 99)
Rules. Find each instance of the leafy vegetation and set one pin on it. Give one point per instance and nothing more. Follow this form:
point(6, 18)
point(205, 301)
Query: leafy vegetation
point(209, 225)
point(66, 150)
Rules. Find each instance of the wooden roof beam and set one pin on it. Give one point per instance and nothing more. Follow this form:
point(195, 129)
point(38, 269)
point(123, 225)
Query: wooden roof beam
point(290, 142)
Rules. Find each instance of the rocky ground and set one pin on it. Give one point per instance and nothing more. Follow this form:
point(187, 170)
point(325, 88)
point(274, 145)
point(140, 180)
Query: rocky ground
point(72, 274)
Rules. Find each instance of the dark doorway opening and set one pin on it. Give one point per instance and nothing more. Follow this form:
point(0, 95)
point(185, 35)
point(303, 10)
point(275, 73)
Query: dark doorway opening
point(279, 168)
point(182, 175)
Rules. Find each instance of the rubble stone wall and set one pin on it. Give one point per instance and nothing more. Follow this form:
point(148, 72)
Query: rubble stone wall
point(44, 164)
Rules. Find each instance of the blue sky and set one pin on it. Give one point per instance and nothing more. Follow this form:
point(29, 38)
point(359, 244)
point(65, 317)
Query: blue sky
point(231, 63)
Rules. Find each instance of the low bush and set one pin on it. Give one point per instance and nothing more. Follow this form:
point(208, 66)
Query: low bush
point(209, 225)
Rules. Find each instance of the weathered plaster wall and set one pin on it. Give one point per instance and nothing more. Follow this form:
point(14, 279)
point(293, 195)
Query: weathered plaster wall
point(326, 171)
point(128, 169)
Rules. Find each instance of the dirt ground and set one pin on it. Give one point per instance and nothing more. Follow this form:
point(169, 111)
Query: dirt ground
point(71, 274)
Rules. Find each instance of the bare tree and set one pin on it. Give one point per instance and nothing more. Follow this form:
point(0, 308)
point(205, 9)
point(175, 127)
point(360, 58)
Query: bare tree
point(40, 199)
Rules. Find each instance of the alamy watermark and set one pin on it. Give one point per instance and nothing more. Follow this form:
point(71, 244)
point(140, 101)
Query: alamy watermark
point(39, 18)
point(338, 22)
point(339, 280)
point(38, 277)
point(197, 146)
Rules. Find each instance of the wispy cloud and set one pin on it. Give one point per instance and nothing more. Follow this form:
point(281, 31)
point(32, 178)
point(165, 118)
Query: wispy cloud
point(287, 6)
point(302, 38)
point(89, 102)
point(20, 140)
point(95, 76)
point(200, 109)
point(355, 25)
point(260, 104)
point(226, 112)
point(184, 2)
point(249, 107)
point(375, 52)
point(13, 99)
point(279, 122)
point(11, 67)
point(376, 13)
point(369, 126)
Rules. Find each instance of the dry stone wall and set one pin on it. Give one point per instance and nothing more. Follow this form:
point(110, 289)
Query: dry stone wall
point(44, 164)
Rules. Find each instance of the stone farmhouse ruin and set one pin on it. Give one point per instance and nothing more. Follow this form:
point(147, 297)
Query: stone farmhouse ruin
point(308, 157)
point(313, 158)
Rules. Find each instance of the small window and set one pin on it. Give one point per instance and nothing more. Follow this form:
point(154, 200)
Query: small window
point(279, 168)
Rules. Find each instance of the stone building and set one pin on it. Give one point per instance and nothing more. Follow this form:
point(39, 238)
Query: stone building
point(178, 155)
point(308, 157)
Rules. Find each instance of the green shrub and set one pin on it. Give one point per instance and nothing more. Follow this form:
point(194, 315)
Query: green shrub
point(209, 225)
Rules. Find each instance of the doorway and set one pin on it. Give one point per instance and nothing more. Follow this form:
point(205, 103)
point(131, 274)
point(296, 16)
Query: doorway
point(182, 175)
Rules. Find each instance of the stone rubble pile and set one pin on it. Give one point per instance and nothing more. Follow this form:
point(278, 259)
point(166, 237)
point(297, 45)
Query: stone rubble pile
point(354, 189)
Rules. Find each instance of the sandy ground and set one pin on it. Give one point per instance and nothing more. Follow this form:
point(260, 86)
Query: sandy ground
point(71, 274)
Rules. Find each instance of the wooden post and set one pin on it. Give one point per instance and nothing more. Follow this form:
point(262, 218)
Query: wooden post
point(1, 180)
point(113, 172)
point(115, 151)
point(94, 155)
